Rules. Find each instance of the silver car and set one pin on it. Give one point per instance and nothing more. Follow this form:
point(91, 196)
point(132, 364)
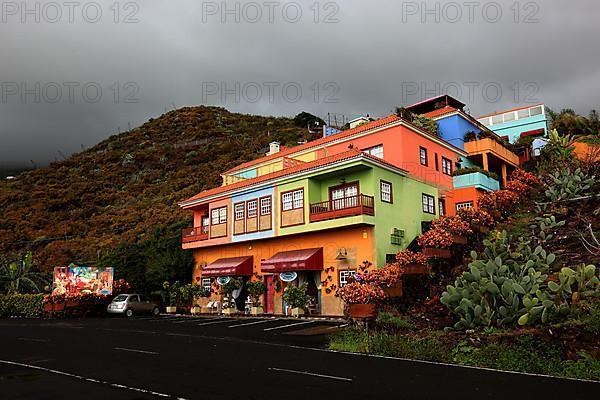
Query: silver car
point(130, 304)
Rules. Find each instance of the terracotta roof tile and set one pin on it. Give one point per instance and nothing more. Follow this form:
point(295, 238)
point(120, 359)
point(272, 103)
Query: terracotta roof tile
point(440, 111)
point(347, 155)
point(291, 150)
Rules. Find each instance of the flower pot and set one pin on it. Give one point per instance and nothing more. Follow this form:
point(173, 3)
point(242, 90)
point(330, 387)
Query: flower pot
point(257, 310)
point(296, 312)
point(457, 239)
point(171, 310)
point(195, 310)
point(416, 269)
point(437, 253)
point(394, 291)
point(363, 311)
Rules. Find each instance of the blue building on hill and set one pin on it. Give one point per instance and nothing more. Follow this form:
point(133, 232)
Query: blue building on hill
point(518, 122)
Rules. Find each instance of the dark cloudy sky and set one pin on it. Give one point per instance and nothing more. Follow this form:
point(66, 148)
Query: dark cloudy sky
point(346, 57)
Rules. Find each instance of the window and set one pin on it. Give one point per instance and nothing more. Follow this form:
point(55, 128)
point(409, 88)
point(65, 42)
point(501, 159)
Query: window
point(442, 206)
point(446, 166)
point(293, 200)
point(376, 151)
point(219, 216)
point(252, 208)
point(265, 206)
point(214, 217)
point(223, 215)
point(205, 224)
point(239, 211)
point(386, 192)
point(535, 111)
point(423, 156)
point(509, 117)
point(206, 282)
point(428, 204)
point(133, 299)
point(523, 113)
point(497, 119)
point(463, 206)
point(437, 162)
point(344, 275)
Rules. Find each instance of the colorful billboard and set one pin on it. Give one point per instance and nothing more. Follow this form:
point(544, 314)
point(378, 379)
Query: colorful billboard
point(80, 279)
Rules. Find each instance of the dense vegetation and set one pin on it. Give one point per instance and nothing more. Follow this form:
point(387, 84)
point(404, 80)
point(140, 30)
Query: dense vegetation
point(116, 203)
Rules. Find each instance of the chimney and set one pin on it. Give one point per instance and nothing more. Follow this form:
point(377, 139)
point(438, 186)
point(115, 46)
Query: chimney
point(274, 148)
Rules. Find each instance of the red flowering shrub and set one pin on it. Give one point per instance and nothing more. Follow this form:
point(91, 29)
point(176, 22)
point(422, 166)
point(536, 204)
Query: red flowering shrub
point(121, 286)
point(407, 257)
point(453, 225)
point(383, 277)
point(435, 238)
point(476, 218)
point(525, 177)
point(519, 188)
point(506, 201)
point(360, 293)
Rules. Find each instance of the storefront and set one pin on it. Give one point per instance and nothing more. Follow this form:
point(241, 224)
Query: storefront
point(295, 267)
point(226, 268)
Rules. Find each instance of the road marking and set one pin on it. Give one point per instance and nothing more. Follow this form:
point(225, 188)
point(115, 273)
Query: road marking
point(92, 380)
point(291, 371)
point(136, 351)
point(217, 322)
point(337, 326)
point(289, 325)
point(193, 320)
point(262, 321)
point(33, 340)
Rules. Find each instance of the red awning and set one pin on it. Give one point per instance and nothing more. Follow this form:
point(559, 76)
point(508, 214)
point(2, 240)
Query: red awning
point(295, 260)
point(238, 266)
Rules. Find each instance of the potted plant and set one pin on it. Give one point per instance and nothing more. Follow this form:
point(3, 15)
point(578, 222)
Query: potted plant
point(256, 289)
point(229, 306)
point(436, 243)
point(478, 219)
point(172, 292)
point(413, 263)
point(361, 298)
point(296, 298)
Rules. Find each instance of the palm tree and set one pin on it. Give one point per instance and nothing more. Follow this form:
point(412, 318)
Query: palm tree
point(17, 276)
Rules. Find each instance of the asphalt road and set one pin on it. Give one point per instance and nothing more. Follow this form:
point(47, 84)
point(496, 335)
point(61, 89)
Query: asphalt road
point(229, 358)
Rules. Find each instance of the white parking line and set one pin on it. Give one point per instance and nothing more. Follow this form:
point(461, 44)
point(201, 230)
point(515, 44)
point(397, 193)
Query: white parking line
point(262, 321)
point(217, 322)
point(289, 325)
point(92, 380)
point(136, 351)
point(291, 371)
point(33, 340)
point(183, 321)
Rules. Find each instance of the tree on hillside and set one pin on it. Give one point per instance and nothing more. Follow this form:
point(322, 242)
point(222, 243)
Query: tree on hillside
point(568, 122)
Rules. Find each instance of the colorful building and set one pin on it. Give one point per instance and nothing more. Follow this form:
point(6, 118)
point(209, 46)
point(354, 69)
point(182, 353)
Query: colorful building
point(518, 122)
point(315, 212)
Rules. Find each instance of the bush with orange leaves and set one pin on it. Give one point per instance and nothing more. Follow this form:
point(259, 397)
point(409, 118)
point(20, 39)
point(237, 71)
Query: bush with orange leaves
point(453, 225)
point(525, 177)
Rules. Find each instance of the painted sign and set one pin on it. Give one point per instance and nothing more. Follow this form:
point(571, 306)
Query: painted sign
point(223, 280)
point(83, 280)
point(288, 276)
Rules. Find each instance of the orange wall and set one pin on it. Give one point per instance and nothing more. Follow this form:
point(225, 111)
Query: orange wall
point(401, 148)
point(357, 242)
point(462, 196)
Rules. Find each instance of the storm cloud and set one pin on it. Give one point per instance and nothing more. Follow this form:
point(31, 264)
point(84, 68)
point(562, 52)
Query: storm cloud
point(74, 73)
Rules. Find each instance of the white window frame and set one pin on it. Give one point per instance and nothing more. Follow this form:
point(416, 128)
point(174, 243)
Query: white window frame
point(375, 151)
point(386, 191)
point(252, 208)
point(222, 215)
point(344, 275)
point(214, 216)
point(239, 211)
point(287, 202)
point(298, 199)
point(428, 204)
point(464, 205)
point(423, 156)
point(266, 206)
point(206, 284)
point(446, 166)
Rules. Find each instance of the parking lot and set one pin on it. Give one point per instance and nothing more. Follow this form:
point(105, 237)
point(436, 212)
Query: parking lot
point(211, 357)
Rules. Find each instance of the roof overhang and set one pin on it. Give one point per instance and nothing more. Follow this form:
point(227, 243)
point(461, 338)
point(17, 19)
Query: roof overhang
point(294, 260)
point(237, 266)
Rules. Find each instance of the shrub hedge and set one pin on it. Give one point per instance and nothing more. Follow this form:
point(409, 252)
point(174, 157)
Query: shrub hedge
point(22, 305)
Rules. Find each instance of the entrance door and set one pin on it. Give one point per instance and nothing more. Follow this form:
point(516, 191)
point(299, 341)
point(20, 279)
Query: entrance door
point(270, 300)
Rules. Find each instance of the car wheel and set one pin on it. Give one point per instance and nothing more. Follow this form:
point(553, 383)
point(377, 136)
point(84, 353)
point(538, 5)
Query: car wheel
point(129, 313)
point(155, 311)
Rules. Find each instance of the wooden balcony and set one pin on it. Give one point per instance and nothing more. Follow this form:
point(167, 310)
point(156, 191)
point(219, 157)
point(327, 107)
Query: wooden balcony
point(488, 145)
point(190, 235)
point(361, 204)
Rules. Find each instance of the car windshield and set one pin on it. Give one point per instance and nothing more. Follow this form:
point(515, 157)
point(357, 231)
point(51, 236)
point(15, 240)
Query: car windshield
point(120, 298)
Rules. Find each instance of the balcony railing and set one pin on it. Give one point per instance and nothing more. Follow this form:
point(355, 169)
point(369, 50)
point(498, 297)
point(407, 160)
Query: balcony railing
point(190, 235)
point(488, 145)
point(361, 204)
